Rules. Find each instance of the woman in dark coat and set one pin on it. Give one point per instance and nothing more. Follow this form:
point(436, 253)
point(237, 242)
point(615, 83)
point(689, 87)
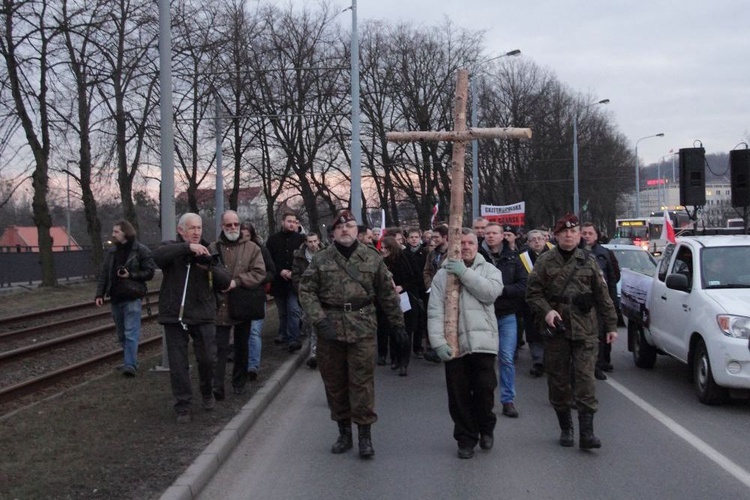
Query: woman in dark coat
point(405, 281)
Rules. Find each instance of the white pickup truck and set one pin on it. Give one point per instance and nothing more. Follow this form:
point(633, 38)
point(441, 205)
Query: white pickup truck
point(696, 308)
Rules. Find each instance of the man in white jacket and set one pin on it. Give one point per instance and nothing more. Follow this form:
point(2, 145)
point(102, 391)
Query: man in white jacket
point(470, 373)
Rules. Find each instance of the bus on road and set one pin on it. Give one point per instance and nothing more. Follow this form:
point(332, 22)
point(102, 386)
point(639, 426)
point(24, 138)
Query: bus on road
point(646, 232)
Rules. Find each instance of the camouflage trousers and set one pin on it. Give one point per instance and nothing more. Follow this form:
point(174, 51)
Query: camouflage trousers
point(348, 372)
point(570, 372)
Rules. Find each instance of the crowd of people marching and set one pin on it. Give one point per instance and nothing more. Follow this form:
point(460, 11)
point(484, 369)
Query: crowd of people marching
point(367, 299)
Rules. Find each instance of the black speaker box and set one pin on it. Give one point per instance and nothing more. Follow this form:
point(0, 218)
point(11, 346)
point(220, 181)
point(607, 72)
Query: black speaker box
point(739, 166)
point(692, 177)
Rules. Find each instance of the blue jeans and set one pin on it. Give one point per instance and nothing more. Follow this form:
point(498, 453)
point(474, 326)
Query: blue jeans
point(254, 343)
point(127, 317)
point(506, 326)
point(290, 313)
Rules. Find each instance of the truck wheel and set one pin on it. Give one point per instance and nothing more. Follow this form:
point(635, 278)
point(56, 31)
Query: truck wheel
point(708, 392)
point(644, 354)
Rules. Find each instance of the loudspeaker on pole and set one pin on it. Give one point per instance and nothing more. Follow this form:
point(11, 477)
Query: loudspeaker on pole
point(692, 176)
point(739, 166)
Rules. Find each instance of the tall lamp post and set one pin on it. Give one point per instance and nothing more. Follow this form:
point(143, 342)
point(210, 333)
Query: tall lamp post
point(67, 180)
point(356, 151)
point(474, 143)
point(638, 174)
point(576, 197)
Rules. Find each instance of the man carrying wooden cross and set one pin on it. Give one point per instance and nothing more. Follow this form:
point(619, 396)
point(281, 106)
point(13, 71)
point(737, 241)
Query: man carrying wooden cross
point(466, 289)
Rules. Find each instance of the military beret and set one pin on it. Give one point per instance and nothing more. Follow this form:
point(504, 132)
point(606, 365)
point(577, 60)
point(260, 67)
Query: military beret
point(342, 217)
point(567, 221)
point(510, 229)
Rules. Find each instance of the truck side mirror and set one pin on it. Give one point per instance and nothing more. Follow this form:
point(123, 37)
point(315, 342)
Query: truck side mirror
point(679, 282)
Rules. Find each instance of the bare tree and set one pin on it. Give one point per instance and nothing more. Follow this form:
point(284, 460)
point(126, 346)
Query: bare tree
point(79, 23)
point(25, 48)
point(301, 96)
point(196, 43)
point(127, 44)
point(408, 80)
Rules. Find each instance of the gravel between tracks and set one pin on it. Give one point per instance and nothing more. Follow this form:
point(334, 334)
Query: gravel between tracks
point(111, 437)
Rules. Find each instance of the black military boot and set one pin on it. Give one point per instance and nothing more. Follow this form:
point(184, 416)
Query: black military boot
point(344, 441)
point(365, 442)
point(566, 428)
point(587, 439)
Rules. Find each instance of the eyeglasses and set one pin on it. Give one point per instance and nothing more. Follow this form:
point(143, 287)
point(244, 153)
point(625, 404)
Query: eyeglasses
point(232, 224)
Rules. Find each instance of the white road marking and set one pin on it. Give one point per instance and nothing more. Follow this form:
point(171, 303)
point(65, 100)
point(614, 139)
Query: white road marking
point(725, 463)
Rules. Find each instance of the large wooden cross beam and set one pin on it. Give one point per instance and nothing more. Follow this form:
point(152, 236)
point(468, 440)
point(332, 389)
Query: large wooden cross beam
point(459, 136)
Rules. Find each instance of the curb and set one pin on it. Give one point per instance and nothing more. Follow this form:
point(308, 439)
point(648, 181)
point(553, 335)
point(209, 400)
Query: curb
point(203, 468)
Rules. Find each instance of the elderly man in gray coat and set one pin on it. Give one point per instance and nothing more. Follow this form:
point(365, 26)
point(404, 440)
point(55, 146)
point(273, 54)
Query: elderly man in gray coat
point(470, 373)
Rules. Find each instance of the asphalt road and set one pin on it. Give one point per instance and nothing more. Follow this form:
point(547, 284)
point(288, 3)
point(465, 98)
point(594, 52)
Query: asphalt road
point(658, 442)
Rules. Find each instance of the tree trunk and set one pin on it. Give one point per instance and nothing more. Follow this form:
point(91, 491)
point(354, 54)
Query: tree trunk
point(455, 222)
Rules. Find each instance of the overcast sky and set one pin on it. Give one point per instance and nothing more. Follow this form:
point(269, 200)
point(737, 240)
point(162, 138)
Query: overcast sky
point(679, 67)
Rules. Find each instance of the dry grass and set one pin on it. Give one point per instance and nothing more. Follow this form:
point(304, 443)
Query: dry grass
point(111, 437)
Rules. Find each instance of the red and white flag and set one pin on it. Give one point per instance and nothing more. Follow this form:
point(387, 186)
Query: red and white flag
point(434, 215)
point(667, 231)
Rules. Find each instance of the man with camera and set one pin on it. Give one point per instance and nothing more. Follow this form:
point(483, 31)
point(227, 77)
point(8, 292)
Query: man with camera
point(187, 308)
point(567, 290)
point(128, 265)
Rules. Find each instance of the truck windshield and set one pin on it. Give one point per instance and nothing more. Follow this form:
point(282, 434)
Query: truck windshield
point(726, 267)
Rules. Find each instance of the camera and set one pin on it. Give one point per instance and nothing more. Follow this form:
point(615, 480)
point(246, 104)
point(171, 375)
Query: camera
point(559, 329)
point(122, 271)
point(206, 260)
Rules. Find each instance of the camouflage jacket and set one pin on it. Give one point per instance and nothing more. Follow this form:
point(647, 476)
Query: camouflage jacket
point(328, 290)
point(584, 297)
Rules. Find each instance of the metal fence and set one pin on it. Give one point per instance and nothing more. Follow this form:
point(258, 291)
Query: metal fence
point(26, 267)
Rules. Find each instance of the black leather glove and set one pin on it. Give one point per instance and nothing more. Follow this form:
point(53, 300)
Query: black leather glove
point(400, 336)
point(324, 329)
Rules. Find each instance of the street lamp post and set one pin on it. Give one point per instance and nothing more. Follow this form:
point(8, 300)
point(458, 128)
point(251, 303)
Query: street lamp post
point(356, 151)
point(67, 184)
point(474, 143)
point(576, 200)
point(638, 174)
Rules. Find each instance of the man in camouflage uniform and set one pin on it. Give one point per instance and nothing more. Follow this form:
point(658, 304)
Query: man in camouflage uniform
point(338, 292)
point(566, 288)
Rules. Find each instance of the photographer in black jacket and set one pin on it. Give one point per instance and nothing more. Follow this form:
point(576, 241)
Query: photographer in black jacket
point(187, 307)
point(127, 267)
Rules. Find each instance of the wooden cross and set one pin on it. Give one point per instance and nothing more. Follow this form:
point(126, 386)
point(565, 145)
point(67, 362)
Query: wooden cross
point(460, 135)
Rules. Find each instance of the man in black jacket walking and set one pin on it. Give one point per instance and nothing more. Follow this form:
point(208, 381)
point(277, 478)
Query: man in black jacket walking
point(611, 272)
point(187, 308)
point(496, 250)
point(282, 246)
point(128, 265)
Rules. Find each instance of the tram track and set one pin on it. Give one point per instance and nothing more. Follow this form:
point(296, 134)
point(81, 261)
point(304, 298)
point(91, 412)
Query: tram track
point(55, 378)
point(53, 349)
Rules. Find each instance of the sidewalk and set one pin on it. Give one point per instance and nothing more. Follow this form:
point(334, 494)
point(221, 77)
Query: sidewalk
point(200, 472)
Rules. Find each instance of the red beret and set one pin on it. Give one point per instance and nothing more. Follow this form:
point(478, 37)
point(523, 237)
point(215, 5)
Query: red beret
point(566, 222)
point(342, 217)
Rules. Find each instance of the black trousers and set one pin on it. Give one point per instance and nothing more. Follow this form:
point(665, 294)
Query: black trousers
point(239, 367)
point(471, 381)
point(204, 345)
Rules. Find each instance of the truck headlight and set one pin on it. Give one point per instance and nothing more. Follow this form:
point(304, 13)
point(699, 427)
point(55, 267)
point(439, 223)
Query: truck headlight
point(734, 326)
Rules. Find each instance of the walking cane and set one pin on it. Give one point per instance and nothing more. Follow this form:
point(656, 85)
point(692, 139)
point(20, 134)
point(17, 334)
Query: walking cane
point(184, 294)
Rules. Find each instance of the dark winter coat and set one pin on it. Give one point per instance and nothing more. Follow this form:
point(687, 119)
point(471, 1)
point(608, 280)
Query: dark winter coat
point(139, 263)
point(515, 278)
point(173, 258)
point(282, 246)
